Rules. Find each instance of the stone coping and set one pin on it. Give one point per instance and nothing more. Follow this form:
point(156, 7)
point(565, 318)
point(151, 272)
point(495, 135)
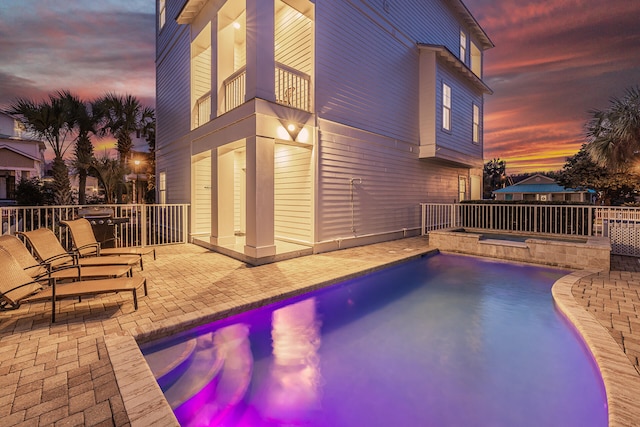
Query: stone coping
point(621, 381)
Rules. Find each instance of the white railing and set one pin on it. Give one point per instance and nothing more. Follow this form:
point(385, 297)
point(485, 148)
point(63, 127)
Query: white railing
point(235, 89)
point(570, 220)
point(293, 88)
point(144, 225)
point(621, 225)
point(202, 110)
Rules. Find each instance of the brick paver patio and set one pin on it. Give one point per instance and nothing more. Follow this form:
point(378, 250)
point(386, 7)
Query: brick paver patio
point(62, 375)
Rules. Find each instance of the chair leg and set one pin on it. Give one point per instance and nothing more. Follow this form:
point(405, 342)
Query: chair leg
point(154, 254)
point(141, 266)
point(144, 283)
point(135, 299)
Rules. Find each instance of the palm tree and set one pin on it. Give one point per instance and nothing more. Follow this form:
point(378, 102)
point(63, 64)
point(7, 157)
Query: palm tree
point(148, 131)
point(121, 117)
point(84, 122)
point(110, 175)
point(614, 134)
point(49, 120)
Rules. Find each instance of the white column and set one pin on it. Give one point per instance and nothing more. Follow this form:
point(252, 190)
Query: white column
point(222, 203)
point(261, 72)
point(260, 197)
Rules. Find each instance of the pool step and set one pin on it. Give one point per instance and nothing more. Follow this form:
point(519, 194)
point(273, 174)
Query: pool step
point(218, 397)
point(168, 363)
point(202, 367)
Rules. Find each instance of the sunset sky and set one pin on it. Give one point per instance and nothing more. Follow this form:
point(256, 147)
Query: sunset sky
point(554, 61)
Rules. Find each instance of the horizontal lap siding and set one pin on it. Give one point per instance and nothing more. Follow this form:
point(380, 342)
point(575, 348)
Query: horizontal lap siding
point(394, 182)
point(202, 196)
point(173, 112)
point(460, 137)
point(293, 192)
point(366, 78)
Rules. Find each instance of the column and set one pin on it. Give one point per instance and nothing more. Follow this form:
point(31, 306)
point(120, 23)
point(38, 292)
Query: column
point(260, 197)
point(261, 73)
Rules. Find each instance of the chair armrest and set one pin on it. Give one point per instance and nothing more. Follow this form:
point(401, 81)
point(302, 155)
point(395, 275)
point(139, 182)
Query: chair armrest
point(72, 255)
point(89, 245)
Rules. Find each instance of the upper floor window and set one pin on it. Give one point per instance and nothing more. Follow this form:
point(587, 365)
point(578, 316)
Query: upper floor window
point(162, 13)
point(463, 47)
point(446, 107)
point(476, 60)
point(476, 123)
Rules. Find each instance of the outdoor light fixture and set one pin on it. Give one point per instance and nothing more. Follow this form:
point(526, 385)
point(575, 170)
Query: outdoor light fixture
point(236, 25)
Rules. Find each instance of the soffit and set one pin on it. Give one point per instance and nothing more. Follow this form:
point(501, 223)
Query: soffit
point(471, 22)
point(190, 10)
point(445, 54)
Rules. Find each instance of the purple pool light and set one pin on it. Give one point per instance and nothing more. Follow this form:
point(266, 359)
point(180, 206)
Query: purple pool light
point(446, 340)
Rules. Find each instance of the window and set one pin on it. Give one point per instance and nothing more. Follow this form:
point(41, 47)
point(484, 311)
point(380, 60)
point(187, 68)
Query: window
point(476, 123)
point(463, 47)
point(446, 107)
point(162, 188)
point(162, 13)
point(462, 188)
point(476, 60)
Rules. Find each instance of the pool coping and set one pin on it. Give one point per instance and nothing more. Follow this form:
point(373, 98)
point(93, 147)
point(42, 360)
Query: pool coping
point(145, 403)
point(621, 380)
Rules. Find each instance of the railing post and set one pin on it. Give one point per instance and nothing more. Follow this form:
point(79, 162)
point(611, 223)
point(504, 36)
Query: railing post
point(144, 226)
point(423, 209)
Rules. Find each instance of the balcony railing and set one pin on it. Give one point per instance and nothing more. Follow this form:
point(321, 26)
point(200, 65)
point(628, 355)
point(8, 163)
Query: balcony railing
point(235, 89)
point(146, 225)
point(292, 88)
point(202, 110)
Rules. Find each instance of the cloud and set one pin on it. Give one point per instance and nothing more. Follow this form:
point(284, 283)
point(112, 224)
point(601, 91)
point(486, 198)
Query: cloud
point(554, 61)
point(87, 48)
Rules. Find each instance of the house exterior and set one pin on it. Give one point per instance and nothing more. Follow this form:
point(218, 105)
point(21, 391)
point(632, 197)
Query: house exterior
point(544, 189)
point(20, 157)
point(319, 124)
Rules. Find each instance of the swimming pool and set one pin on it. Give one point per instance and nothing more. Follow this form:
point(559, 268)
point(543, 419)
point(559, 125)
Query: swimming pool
point(444, 340)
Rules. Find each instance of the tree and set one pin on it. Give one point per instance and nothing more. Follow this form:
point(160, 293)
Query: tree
point(614, 134)
point(32, 192)
point(49, 120)
point(494, 176)
point(121, 116)
point(581, 171)
point(148, 131)
point(110, 175)
point(84, 122)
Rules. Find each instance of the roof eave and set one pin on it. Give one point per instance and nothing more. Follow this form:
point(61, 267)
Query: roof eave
point(471, 22)
point(189, 11)
point(445, 54)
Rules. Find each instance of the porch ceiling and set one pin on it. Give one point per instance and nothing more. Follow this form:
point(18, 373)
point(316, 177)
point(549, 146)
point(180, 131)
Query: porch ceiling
point(190, 11)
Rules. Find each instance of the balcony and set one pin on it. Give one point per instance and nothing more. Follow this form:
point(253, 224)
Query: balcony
point(292, 88)
point(202, 110)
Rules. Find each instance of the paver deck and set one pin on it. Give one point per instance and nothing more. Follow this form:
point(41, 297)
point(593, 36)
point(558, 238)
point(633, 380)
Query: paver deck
point(63, 374)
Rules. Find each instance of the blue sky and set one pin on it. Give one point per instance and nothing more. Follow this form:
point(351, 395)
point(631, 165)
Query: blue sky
point(554, 61)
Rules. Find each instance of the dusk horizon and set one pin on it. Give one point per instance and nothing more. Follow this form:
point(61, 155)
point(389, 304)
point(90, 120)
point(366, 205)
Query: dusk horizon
point(553, 62)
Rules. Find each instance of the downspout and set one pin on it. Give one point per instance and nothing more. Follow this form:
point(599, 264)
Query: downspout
point(351, 182)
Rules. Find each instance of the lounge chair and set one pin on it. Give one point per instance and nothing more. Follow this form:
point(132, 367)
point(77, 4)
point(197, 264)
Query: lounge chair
point(40, 270)
point(46, 246)
point(17, 287)
point(85, 242)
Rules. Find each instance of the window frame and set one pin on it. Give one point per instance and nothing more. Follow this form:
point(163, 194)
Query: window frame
point(475, 131)
point(463, 46)
point(162, 188)
point(446, 107)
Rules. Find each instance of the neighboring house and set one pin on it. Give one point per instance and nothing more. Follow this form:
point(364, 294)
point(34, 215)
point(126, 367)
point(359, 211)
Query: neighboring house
point(20, 157)
point(544, 189)
point(322, 124)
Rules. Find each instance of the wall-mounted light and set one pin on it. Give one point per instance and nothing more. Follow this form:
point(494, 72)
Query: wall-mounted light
point(236, 25)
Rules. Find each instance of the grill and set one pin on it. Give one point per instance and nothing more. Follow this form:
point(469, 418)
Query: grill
point(103, 223)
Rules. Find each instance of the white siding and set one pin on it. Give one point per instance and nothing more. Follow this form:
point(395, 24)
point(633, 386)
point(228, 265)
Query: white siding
point(293, 38)
point(201, 206)
point(293, 192)
point(365, 77)
point(460, 137)
point(393, 183)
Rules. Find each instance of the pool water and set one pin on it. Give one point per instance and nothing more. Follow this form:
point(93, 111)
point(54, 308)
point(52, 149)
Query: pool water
point(445, 340)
